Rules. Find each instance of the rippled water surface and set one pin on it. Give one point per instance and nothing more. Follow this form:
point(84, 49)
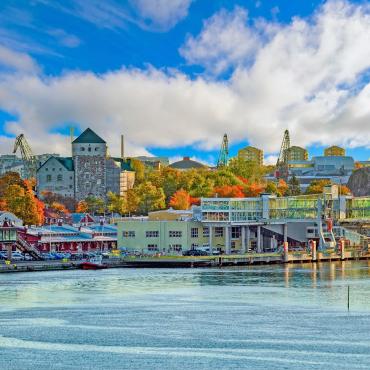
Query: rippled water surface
point(265, 317)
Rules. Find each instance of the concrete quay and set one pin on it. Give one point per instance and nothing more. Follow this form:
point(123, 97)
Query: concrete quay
point(195, 262)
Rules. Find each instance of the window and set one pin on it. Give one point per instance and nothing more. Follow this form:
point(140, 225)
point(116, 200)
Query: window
point(152, 234)
point(82, 149)
point(194, 246)
point(89, 149)
point(205, 232)
point(175, 234)
point(48, 178)
point(60, 178)
point(96, 149)
point(60, 169)
point(53, 169)
point(70, 177)
point(152, 247)
point(46, 169)
point(128, 234)
point(235, 232)
point(194, 232)
point(70, 186)
point(176, 247)
point(219, 232)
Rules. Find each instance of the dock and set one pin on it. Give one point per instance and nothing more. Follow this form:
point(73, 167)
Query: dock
point(194, 262)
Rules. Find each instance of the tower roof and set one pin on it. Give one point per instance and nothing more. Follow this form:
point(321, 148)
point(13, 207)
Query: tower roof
point(89, 137)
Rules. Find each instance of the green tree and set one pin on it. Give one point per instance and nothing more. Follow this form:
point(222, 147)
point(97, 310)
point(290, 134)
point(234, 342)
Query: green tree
point(116, 203)
point(294, 187)
point(139, 168)
point(95, 205)
point(150, 197)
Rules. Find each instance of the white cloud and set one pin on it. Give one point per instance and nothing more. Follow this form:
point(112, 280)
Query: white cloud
point(15, 60)
point(225, 41)
point(304, 78)
point(163, 13)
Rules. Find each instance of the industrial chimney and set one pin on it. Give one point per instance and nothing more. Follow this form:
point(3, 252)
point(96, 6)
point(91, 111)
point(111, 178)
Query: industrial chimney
point(122, 147)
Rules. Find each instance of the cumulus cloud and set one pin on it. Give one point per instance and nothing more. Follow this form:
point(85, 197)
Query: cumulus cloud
point(307, 76)
point(225, 41)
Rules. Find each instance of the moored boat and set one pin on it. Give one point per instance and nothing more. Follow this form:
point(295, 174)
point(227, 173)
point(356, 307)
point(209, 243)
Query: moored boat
point(94, 263)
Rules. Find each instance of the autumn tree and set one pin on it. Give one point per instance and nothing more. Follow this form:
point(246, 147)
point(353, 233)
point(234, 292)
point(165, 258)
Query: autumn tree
point(317, 186)
point(82, 207)
point(150, 197)
point(180, 200)
point(139, 169)
point(116, 203)
point(229, 191)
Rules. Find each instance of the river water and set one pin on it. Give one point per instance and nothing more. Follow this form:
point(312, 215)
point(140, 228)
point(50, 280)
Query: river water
point(261, 317)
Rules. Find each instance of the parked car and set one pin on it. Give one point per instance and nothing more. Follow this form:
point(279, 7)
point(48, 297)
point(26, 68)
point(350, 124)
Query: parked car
point(195, 252)
point(16, 256)
point(27, 257)
point(3, 255)
point(76, 256)
point(48, 256)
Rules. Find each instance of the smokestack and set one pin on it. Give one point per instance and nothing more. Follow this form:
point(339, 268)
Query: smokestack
point(72, 133)
point(122, 147)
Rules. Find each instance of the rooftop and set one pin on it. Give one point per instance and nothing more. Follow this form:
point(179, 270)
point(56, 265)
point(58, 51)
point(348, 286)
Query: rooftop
point(89, 137)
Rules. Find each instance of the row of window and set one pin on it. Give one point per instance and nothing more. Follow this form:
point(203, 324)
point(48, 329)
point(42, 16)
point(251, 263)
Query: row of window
point(194, 233)
point(59, 178)
point(89, 149)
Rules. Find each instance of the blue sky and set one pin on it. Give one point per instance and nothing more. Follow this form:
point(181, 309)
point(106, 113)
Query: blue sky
point(174, 75)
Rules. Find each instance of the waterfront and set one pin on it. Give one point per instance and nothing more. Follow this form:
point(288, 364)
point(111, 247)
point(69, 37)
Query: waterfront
point(256, 317)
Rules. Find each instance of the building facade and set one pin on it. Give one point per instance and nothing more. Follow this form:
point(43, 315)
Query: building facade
point(296, 153)
point(242, 225)
point(252, 154)
point(89, 172)
point(334, 151)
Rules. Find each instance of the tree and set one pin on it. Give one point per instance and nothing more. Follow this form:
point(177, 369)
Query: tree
point(282, 188)
point(95, 205)
point(229, 191)
point(116, 203)
point(254, 189)
point(132, 201)
point(82, 207)
point(294, 187)
point(180, 200)
point(317, 186)
point(139, 169)
point(59, 208)
point(247, 169)
point(150, 197)
point(24, 205)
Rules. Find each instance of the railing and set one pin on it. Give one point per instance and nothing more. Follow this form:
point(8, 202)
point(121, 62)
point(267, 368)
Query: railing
point(28, 248)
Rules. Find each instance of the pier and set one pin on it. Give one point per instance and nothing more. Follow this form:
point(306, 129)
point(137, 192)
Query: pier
point(220, 261)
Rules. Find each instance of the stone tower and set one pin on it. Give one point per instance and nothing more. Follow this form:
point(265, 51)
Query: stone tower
point(89, 152)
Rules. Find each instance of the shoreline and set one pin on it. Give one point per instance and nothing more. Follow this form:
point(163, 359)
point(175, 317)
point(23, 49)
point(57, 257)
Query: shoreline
point(192, 262)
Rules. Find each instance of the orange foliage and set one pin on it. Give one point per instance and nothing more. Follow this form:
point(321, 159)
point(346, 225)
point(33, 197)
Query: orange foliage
point(3, 205)
point(229, 191)
point(180, 200)
point(82, 207)
point(40, 211)
point(254, 189)
point(58, 207)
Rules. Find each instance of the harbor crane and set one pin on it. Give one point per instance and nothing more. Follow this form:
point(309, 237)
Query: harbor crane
point(28, 158)
point(282, 165)
point(223, 158)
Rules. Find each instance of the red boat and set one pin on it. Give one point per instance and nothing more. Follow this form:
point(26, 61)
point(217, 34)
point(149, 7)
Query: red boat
point(92, 264)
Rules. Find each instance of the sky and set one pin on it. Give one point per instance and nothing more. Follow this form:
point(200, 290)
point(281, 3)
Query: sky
point(174, 75)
